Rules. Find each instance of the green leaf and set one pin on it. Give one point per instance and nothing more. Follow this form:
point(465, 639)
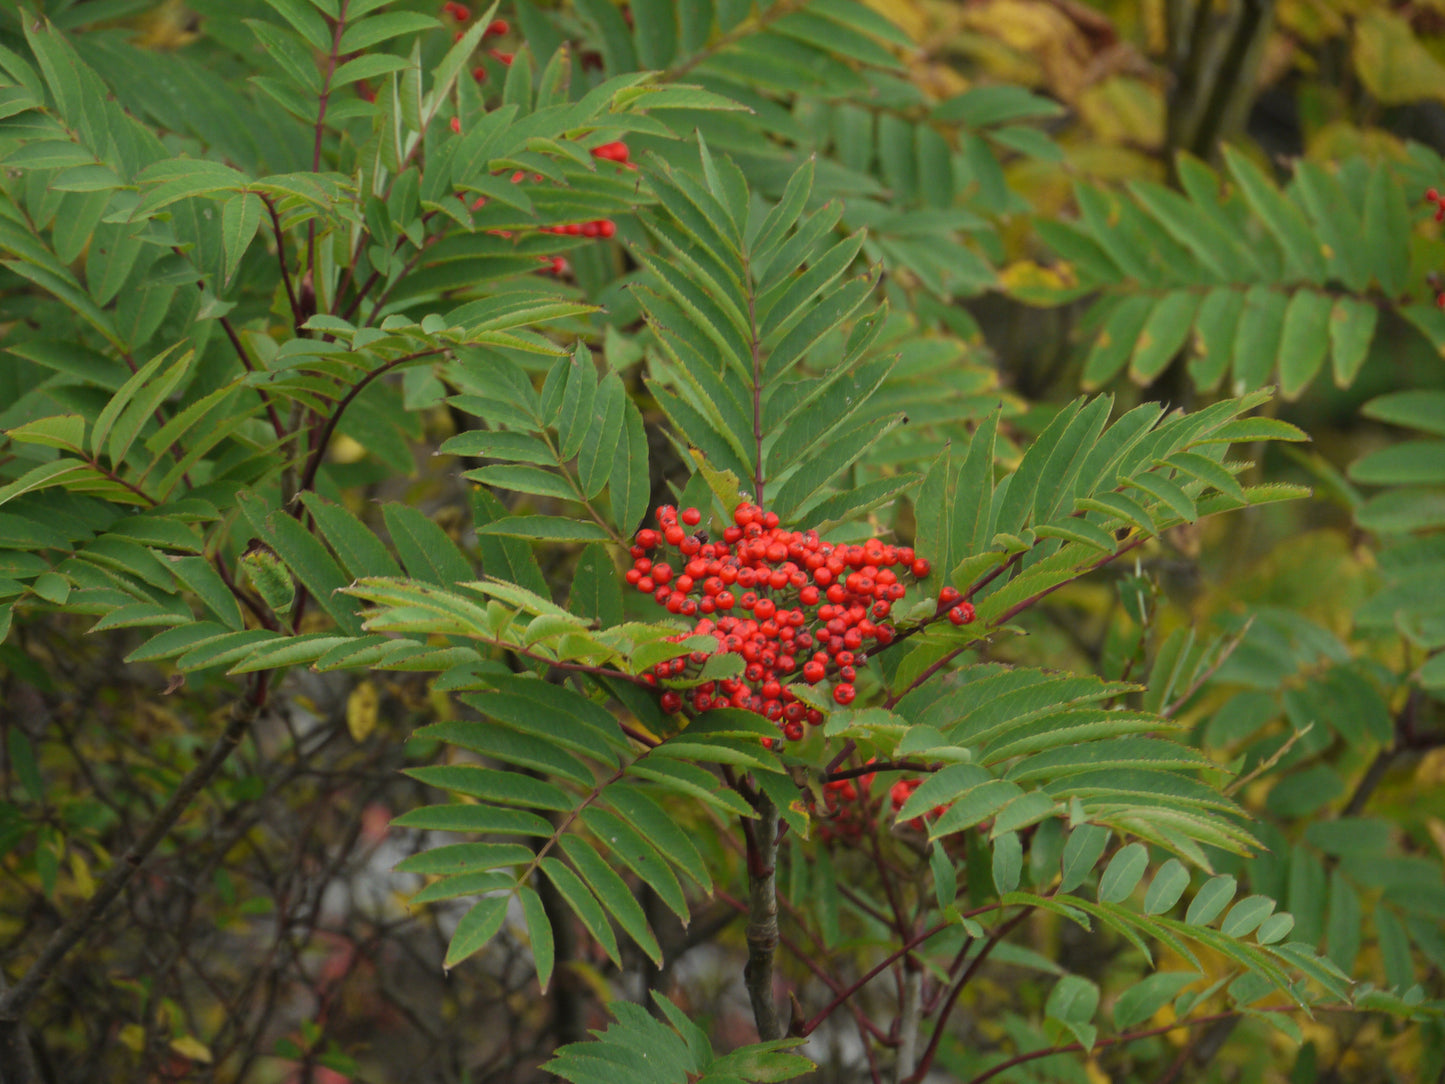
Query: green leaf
point(200, 576)
point(1073, 1002)
point(359, 36)
point(641, 811)
point(1257, 337)
point(1008, 860)
point(613, 893)
point(1415, 409)
point(1343, 927)
point(629, 847)
point(1304, 340)
point(466, 858)
point(600, 441)
point(1116, 341)
point(1275, 928)
point(1215, 328)
point(1123, 873)
point(1085, 845)
point(1210, 900)
point(1166, 887)
point(545, 528)
point(361, 552)
point(1142, 1000)
point(1410, 462)
point(1246, 915)
point(426, 551)
point(476, 928)
point(307, 558)
point(489, 784)
point(1352, 329)
point(539, 931)
point(628, 481)
point(240, 218)
point(584, 905)
point(998, 104)
point(124, 396)
point(1163, 335)
point(479, 819)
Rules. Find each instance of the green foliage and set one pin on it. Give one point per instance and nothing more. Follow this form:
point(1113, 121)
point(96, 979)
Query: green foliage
point(234, 320)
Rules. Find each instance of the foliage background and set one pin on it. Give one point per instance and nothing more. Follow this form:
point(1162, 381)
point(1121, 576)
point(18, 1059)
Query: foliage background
point(1029, 246)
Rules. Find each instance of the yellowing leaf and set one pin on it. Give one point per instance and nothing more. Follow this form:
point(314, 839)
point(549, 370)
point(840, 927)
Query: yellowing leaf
point(361, 708)
point(1124, 110)
point(80, 873)
point(1033, 283)
point(188, 1046)
point(1392, 63)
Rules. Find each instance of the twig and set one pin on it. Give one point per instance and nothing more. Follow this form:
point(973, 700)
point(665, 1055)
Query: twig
point(1209, 671)
point(1127, 1037)
point(1268, 763)
point(318, 450)
point(1002, 931)
point(17, 1000)
point(297, 316)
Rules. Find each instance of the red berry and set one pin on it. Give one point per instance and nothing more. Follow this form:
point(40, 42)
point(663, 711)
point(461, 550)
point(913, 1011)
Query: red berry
point(456, 124)
point(497, 27)
point(921, 569)
point(844, 694)
point(671, 701)
point(691, 516)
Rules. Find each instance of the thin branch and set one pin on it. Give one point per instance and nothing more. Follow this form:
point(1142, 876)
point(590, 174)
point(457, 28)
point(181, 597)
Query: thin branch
point(878, 969)
point(318, 450)
point(1116, 1040)
point(297, 316)
point(1002, 931)
point(250, 367)
point(17, 1000)
point(1269, 762)
point(1209, 671)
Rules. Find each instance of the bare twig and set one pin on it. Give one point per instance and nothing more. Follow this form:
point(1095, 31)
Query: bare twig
point(17, 1000)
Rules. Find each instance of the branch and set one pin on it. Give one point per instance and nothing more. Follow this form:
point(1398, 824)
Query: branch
point(1002, 931)
point(318, 451)
point(762, 840)
point(878, 969)
point(17, 1000)
point(297, 316)
point(1116, 1040)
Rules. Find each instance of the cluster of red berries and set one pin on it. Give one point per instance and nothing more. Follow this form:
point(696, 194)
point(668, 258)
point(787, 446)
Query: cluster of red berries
point(807, 608)
point(849, 809)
